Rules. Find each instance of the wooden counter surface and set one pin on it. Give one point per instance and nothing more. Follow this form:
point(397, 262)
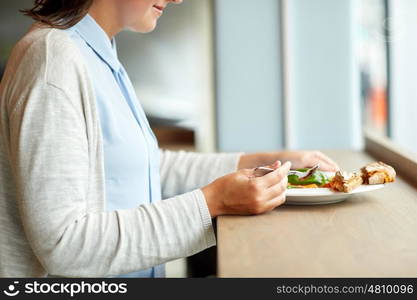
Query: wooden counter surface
point(370, 235)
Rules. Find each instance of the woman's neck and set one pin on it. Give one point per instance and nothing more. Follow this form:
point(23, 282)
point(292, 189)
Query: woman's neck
point(105, 14)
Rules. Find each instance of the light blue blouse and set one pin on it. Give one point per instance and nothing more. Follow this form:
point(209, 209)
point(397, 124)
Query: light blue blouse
point(131, 154)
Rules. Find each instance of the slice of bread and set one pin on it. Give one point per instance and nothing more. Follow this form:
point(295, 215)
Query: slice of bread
point(378, 173)
point(346, 182)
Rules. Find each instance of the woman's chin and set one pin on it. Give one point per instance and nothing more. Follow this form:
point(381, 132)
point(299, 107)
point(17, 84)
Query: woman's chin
point(144, 28)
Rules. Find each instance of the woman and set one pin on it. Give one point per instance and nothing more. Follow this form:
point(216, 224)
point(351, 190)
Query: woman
point(80, 170)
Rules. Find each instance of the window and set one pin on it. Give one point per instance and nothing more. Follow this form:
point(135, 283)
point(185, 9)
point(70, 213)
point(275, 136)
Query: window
point(403, 72)
point(388, 59)
point(374, 65)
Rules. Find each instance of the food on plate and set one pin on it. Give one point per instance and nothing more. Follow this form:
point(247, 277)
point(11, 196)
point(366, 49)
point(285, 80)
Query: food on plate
point(316, 180)
point(378, 173)
point(303, 186)
point(346, 182)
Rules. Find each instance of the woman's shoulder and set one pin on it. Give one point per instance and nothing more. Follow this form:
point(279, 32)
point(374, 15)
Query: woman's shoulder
point(47, 53)
point(44, 62)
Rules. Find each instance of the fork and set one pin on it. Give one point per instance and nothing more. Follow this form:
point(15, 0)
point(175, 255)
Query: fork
point(261, 171)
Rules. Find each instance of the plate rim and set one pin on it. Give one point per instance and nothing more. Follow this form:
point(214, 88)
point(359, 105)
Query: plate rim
point(327, 192)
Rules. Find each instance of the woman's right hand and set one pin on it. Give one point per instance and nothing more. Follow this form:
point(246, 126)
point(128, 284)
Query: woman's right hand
point(241, 193)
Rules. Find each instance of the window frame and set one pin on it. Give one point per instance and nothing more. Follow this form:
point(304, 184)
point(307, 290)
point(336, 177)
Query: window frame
point(383, 147)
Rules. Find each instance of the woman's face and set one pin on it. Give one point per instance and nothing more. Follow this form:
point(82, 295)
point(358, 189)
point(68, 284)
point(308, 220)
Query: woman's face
point(142, 15)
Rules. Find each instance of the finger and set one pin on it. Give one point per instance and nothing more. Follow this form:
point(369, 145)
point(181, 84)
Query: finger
point(328, 160)
point(328, 163)
point(328, 167)
point(274, 203)
point(277, 189)
point(259, 172)
point(247, 172)
point(276, 164)
point(274, 177)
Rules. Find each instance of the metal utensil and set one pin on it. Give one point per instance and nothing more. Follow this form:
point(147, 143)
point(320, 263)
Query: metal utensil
point(261, 171)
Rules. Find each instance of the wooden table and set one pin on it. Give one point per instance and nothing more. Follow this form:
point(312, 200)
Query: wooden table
point(369, 235)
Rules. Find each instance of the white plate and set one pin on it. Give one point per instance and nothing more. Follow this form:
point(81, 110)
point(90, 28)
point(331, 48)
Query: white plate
point(324, 195)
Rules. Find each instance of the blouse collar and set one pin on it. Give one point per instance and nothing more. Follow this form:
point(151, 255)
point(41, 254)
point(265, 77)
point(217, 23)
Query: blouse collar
point(92, 33)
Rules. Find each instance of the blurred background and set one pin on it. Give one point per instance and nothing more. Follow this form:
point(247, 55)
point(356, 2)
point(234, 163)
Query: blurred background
point(242, 75)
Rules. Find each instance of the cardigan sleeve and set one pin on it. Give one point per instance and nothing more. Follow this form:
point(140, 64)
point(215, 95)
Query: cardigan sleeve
point(185, 171)
point(50, 162)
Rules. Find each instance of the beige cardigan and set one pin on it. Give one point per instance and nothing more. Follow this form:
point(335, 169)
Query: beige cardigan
point(52, 193)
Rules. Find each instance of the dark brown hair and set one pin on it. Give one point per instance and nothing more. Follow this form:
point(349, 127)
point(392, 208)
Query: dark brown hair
point(61, 14)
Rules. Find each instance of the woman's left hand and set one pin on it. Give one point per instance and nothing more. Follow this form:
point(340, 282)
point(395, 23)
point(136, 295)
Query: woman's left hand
point(298, 159)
